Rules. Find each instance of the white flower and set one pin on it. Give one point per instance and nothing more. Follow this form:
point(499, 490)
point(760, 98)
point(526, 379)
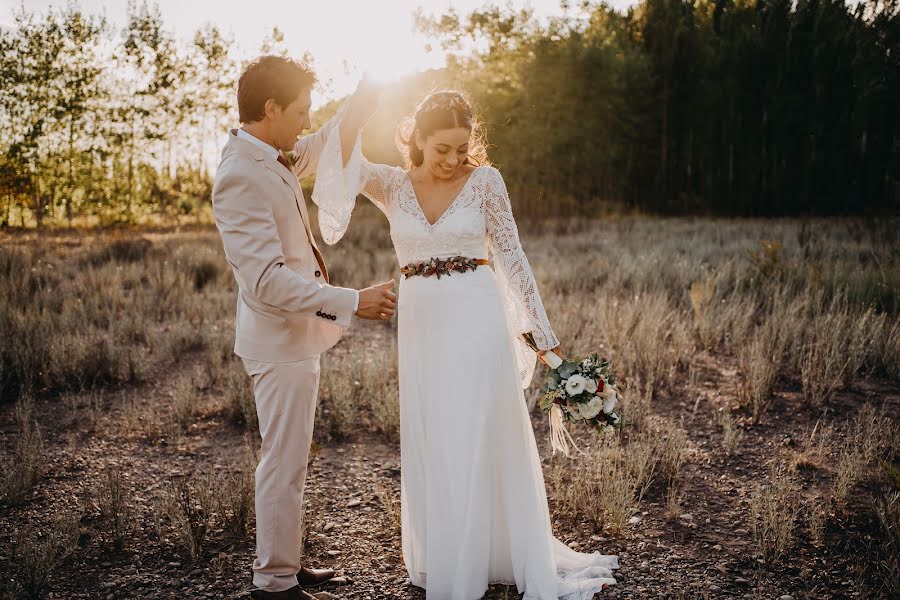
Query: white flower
point(575, 385)
point(591, 408)
point(609, 402)
point(590, 385)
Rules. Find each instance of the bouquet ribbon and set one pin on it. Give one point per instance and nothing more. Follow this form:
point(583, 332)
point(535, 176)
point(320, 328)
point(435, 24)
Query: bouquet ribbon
point(560, 438)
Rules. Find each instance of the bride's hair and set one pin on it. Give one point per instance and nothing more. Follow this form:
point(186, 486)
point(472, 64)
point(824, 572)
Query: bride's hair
point(446, 109)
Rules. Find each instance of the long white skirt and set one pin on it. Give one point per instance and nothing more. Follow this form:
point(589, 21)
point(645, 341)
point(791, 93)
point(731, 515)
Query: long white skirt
point(473, 503)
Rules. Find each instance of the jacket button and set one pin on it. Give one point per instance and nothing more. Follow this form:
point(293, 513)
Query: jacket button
point(318, 273)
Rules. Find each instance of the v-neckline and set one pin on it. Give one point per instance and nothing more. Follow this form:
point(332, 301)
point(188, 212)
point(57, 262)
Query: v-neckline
point(449, 206)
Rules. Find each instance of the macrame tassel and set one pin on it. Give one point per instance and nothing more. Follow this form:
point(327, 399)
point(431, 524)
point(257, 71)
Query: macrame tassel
point(560, 438)
point(557, 427)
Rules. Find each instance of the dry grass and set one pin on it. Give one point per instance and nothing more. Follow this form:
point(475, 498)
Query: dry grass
point(636, 404)
point(817, 445)
point(732, 435)
point(823, 364)
point(116, 511)
point(240, 403)
point(812, 305)
point(131, 415)
point(185, 402)
point(649, 336)
point(774, 507)
point(22, 471)
point(390, 504)
point(606, 486)
point(888, 511)
point(359, 392)
point(671, 451)
point(38, 552)
point(816, 516)
point(185, 508)
point(761, 363)
point(673, 502)
point(872, 437)
point(125, 306)
point(235, 503)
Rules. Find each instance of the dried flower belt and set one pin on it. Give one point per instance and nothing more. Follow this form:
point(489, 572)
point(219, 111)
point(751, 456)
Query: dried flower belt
point(438, 267)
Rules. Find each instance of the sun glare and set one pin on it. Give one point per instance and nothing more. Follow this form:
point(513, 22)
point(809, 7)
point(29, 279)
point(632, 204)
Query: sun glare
point(393, 53)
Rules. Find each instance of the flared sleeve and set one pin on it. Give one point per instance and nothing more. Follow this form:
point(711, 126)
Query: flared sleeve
point(337, 185)
point(522, 301)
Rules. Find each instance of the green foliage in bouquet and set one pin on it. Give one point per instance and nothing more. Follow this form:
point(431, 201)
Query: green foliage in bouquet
point(584, 389)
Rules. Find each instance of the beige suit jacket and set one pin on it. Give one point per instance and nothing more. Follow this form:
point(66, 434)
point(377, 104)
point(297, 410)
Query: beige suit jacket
point(286, 310)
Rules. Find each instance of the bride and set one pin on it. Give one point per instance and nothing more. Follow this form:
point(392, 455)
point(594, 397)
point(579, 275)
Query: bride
point(473, 504)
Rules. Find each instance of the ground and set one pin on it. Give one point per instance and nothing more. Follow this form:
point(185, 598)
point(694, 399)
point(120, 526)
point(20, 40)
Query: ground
point(695, 544)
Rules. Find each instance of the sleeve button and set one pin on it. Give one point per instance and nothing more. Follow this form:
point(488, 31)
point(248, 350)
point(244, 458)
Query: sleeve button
point(318, 273)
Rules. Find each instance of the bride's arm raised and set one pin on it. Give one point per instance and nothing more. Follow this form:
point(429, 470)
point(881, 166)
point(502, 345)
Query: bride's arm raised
point(350, 119)
point(512, 265)
point(342, 174)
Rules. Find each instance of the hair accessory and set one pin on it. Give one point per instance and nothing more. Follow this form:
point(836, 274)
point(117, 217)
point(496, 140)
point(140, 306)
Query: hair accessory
point(444, 102)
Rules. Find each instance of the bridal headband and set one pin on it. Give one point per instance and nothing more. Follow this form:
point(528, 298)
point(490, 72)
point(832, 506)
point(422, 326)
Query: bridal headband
point(444, 101)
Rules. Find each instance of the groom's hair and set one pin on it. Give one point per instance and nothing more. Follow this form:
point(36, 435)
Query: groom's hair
point(271, 77)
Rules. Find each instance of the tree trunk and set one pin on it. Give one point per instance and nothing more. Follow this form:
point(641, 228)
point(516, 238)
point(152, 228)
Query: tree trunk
point(70, 185)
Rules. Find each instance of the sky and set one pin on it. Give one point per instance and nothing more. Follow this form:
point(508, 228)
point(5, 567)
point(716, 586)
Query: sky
point(345, 37)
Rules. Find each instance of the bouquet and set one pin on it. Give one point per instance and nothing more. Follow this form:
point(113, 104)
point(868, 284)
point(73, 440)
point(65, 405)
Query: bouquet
point(583, 389)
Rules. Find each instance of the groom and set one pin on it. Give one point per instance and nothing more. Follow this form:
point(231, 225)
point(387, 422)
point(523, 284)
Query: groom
point(288, 313)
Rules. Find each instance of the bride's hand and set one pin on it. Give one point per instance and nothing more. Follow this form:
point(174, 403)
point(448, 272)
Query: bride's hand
point(368, 94)
point(557, 351)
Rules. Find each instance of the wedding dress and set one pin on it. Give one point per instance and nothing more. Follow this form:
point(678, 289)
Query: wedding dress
point(473, 503)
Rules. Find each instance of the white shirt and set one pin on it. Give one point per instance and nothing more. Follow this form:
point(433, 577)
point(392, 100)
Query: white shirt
point(267, 148)
point(273, 152)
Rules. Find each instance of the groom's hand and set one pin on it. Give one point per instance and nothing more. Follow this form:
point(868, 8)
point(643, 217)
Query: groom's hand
point(378, 302)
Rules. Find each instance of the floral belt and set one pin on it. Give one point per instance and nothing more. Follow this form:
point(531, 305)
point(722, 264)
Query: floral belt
point(438, 267)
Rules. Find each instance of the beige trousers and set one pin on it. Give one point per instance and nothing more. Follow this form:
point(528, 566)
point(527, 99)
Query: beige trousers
point(286, 406)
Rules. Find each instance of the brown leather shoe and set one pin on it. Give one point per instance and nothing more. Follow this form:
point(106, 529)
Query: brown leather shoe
point(295, 593)
point(310, 578)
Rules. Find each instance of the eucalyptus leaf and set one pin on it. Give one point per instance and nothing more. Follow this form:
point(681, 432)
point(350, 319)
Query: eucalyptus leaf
point(567, 369)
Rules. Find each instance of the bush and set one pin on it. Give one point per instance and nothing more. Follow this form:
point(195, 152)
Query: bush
point(124, 250)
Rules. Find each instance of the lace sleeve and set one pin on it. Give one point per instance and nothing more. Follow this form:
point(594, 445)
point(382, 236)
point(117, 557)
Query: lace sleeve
point(338, 185)
point(511, 265)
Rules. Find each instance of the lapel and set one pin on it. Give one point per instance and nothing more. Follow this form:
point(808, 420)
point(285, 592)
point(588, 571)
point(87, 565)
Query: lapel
point(279, 169)
point(289, 178)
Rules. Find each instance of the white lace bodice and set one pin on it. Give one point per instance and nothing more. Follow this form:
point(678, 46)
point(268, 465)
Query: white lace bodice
point(478, 224)
point(460, 231)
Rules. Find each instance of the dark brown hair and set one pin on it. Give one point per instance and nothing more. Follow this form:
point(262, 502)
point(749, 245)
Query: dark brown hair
point(271, 77)
point(446, 109)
